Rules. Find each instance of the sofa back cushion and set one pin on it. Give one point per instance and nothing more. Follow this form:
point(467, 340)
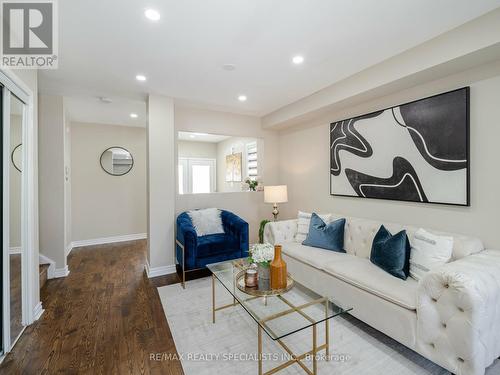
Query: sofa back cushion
point(359, 234)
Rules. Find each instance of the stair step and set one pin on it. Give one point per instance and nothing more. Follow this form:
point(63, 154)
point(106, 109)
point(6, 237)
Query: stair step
point(44, 272)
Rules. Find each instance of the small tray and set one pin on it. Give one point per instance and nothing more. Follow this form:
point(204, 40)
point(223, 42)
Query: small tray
point(263, 288)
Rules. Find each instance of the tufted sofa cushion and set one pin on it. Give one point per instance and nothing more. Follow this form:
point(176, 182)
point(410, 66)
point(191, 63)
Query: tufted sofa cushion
point(357, 272)
point(359, 233)
point(313, 256)
point(458, 307)
point(367, 276)
point(278, 232)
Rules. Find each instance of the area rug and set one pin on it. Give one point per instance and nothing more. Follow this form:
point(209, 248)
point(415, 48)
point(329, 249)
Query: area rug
point(229, 346)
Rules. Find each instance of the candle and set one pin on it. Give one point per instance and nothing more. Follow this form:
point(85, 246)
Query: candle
point(251, 278)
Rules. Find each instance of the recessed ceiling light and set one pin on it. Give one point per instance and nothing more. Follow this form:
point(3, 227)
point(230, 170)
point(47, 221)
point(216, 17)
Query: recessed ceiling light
point(140, 77)
point(242, 98)
point(152, 14)
point(229, 67)
point(105, 99)
point(191, 136)
point(297, 60)
point(134, 115)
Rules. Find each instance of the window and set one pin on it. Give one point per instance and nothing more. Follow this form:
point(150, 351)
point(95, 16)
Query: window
point(200, 177)
point(196, 175)
point(252, 162)
point(181, 177)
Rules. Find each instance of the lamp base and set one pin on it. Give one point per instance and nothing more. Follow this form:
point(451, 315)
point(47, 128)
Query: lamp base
point(275, 211)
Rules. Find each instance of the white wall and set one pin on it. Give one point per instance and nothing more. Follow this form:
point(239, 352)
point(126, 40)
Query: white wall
point(103, 205)
point(218, 151)
point(67, 184)
point(161, 177)
point(204, 150)
point(304, 160)
point(236, 145)
point(51, 179)
point(248, 205)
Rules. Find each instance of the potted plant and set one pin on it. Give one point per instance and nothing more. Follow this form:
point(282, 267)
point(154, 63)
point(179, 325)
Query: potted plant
point(262, 255)
point(261, 230)
point(252, 185)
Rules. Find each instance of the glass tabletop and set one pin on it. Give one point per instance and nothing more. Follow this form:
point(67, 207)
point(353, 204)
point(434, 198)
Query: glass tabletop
point(279, 315)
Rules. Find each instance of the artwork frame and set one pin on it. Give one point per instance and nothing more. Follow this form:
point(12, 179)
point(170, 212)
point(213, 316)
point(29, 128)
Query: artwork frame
point(234, 168)
point(464, 146)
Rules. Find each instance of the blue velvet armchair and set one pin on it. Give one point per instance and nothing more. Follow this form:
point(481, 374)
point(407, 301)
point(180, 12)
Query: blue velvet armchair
point(194, 253)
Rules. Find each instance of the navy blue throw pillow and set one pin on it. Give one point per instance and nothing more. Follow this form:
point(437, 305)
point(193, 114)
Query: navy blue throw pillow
point(326, 236)
point(391, 252)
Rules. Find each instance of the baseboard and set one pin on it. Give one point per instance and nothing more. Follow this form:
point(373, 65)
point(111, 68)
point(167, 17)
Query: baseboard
point(43, 259)
point(105, 240)
point(38, 311)
point(15, 250)
point(159, 271)
point(61, 272)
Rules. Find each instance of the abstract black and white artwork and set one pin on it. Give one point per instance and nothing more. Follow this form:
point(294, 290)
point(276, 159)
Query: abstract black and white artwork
point(416, 152)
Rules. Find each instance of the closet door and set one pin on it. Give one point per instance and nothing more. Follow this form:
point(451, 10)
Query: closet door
point(17, 208)
point(2, 226)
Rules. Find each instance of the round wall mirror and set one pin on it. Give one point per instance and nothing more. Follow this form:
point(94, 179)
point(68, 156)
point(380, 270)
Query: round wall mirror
point(17, 157)
point(117, 161)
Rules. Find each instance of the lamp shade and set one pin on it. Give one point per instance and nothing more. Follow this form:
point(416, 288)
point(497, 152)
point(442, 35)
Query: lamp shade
point(275, 194)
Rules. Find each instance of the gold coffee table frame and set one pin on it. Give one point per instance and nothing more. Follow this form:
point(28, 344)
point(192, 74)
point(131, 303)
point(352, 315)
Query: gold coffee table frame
point(292, 309)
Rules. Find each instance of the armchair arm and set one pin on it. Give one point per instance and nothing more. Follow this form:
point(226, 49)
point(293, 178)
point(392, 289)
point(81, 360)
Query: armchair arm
point(186, 237)
point(277, 232)
point(236, 227)
point(458, 313)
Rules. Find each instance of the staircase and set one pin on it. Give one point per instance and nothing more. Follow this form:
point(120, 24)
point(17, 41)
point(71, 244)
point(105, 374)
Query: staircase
point(44, 269)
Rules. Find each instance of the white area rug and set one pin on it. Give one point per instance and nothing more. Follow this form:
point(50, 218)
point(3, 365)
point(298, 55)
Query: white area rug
point(229, 346)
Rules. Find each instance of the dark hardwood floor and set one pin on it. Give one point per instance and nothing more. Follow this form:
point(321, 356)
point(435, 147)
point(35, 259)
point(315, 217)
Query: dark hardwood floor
point(104, 318)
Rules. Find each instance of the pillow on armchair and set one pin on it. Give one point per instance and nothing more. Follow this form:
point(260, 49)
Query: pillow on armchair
point(206, 221)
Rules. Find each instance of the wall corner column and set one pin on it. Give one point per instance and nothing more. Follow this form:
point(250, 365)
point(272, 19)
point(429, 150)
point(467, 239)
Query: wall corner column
point(160, 185)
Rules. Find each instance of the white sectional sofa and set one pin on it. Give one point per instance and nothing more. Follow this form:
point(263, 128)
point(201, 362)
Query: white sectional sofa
point(451, 316)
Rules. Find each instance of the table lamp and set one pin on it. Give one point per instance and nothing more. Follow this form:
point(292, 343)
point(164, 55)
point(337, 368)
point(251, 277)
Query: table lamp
point(275, 195)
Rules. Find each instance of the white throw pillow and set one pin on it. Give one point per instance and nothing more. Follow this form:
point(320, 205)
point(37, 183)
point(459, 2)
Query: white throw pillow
point(206, 221)
point(303, 221)
point(428, 251)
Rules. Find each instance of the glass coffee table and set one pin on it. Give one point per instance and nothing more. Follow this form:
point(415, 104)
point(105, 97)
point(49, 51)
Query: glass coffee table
point(279, 315)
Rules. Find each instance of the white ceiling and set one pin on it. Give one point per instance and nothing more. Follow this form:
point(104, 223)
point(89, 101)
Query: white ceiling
point(92, 110)
point(202, 137)
point(104, 44)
